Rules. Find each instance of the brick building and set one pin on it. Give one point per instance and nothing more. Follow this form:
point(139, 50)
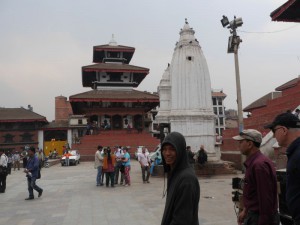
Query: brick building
point(20, 127)
point(262, 111)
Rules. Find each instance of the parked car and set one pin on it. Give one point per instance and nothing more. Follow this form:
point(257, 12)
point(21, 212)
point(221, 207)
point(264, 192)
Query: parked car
point(74, 159)
point(139, 151)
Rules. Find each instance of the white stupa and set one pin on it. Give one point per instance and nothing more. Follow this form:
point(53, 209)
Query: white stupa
point(185, 95)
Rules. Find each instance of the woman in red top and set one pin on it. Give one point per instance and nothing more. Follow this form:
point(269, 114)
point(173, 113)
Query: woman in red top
point(109, 161)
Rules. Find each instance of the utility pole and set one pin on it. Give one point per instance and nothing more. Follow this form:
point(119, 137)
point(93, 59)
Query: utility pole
point(233, 46)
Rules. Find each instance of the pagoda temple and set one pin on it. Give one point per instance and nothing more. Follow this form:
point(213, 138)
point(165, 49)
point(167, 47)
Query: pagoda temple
point(113, 103)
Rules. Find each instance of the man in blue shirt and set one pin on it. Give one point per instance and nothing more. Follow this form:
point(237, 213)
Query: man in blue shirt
point(286, 130)
point(32, 172)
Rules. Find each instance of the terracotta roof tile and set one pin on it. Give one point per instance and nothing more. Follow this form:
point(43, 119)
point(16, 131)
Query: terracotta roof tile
point(218, 94)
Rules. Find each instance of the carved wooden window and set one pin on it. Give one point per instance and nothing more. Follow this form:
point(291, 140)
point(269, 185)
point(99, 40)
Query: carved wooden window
point(8, 138)
point(27, 137)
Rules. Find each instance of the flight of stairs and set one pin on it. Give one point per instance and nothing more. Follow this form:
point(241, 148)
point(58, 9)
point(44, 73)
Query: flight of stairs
point(88, 144)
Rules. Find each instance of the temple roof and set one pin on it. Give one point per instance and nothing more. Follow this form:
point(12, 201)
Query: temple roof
point(114, 67)
point(288, 12)
point(261, 102)
point(20, 115)
point(118, 48)
point(115, 95)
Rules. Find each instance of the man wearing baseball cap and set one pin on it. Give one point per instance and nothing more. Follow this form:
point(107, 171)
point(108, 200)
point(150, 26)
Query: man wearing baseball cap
point(286, 130)
point(260, 185)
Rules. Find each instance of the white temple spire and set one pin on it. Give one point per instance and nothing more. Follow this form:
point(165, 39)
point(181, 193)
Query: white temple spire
point(185, 94)
point(112, 41)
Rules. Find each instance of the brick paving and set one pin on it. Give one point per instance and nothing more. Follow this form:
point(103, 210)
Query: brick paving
point(71, 197)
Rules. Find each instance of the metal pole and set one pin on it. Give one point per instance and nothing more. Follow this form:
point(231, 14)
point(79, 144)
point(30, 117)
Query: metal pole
point(238, 87)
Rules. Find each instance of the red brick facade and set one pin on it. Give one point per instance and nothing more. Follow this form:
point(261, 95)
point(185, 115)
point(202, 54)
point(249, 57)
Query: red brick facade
point(260, 117)
point(62, 109)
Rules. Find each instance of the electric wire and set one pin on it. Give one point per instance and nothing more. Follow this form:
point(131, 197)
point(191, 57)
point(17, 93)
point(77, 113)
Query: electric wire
point(267, 32)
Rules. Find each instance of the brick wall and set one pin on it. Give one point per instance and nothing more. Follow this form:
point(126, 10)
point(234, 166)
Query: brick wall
point(63, 109)
point(260, 117)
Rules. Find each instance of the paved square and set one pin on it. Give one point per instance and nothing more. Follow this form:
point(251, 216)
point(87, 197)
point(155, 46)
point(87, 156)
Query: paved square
point(71, 197)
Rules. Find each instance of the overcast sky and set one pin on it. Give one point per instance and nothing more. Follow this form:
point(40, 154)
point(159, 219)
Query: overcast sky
point(44, 44)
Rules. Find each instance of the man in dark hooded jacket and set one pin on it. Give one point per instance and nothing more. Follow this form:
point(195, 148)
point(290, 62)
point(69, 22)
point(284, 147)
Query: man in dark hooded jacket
point(183, 190)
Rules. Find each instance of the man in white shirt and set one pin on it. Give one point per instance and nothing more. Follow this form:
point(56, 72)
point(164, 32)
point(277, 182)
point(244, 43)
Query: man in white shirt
point(144, 160)
point(3, 171)
point(98, 165)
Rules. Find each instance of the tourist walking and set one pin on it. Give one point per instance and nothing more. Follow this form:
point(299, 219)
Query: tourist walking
point(3, 171)
point(260, 184)
point(126, 164)
point(145, 163)
point(98, 165)
point(183, 190)
point(32, 171)
point(286, 130)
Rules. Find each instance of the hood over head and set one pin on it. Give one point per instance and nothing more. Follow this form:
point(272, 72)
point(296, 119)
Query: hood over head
point(178, 141)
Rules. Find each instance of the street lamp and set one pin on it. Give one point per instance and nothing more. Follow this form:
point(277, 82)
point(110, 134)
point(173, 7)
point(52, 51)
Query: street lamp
point(233, 45)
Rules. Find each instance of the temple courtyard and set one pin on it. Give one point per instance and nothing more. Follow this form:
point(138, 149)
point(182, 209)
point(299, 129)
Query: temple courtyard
point(71, 197)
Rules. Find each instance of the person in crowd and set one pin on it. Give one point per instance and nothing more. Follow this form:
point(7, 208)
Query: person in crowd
point(109, 161)
point(16, 160)
point(286, 130)
point(260, 184)
point(145, 163)
point(32, 170)
point(201, 156)
point(64, 149)
point(183, 189)
point(3, 171)
point(54, 154)
point(119, 155)
point(67, 159)
point(50, 154)
point(103, 153)
point(126, 163)
point(98, 165)
point(24, 156)
point(41, 157)
point(157, 161)
point(9, 162)
point(190, 155)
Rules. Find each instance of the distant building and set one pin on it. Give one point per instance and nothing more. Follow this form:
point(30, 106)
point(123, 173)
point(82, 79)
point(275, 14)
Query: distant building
point(231, 120)
point(219, 110)
point(20, 127)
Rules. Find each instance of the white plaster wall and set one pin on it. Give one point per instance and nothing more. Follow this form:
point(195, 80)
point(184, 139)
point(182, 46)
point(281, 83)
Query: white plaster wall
point(41, 139)
point(69, 137)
